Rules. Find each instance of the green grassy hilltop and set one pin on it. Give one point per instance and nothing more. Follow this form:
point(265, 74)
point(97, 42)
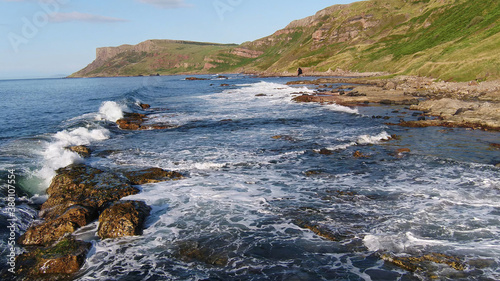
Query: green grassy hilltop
point(448, 39)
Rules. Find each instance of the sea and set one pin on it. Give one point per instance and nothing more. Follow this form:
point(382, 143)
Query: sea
point(272, 188)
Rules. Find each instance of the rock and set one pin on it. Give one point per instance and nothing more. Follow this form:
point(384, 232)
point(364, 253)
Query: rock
point(495, 145)
point(261, 95)
point(56, 262)
point(224, 85)
point(51, 230)
point(152, 175)
point(82, 150)
point(123, 219)
point(145, 106)
point(325, 151)
point(387, 102)
point(318, 230)
point(390, 86)
point(131, 121)
point(283, 137)
point(196, 251)
point(424, 263)
point(222, 77)
point(134, 122)
point(403, 150)
point(77, 193)
point(195, 78)
point(358, 154)
point(85, 186)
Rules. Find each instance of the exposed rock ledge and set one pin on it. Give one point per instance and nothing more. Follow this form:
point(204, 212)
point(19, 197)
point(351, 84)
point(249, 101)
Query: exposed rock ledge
point(473, 104)
point(77, 195)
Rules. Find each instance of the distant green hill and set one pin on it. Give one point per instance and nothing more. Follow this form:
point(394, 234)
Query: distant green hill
point(448, 39)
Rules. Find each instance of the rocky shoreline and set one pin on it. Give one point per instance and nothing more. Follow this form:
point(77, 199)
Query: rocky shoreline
point(80, 195)
point(473, 105)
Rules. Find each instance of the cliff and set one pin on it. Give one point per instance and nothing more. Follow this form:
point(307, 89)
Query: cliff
point(446, 39)
point(152, 57)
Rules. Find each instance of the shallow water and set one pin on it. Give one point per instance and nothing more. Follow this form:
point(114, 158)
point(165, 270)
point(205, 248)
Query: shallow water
point(238, 214)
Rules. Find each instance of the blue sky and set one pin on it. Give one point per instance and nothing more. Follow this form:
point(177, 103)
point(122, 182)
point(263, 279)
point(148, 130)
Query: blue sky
point(47, 38)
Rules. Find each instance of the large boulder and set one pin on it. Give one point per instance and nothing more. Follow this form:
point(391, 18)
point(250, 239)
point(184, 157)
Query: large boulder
point(123, 219)
point(56, 262)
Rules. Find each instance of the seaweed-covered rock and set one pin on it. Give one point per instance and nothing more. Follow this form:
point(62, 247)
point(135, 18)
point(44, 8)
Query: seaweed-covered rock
point(51, 230)
point(135, 122)
point(85, 186)
point(205, 252)
point(77, 193)
point(152, 175)
point(123, 219)
point(56, 262)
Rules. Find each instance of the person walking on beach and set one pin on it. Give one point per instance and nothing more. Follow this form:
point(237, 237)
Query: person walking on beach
point(299, 72)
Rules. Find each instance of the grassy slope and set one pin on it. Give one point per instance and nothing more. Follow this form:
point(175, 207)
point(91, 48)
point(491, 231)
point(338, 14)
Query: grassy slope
point(452, 40)
point(167, 58)
point(447, 39)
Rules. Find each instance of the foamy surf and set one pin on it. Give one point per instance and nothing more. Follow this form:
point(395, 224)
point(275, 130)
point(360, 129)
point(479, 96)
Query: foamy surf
point(56, 155)
point(110, 111)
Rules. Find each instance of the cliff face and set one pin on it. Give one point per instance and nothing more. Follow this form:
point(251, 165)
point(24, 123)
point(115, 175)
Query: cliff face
point(447, 39)
point(151, 57)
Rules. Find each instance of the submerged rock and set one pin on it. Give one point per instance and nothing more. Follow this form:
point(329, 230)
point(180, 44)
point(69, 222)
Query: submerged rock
point(196, 78)
point(56, 262)
point(123, 219)
point(203, 252)
point(152, 175)
point(145, 106)
point(424, 263)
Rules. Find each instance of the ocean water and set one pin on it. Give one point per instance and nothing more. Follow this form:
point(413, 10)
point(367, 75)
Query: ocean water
point(247, 194)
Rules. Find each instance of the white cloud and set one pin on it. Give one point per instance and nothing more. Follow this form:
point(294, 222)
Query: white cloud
point(76, 16)
point(166, 4)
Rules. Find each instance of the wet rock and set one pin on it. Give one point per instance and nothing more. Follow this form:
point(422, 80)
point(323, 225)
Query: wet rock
point(224, 85)
point(403, 150)
point(77, 193)
point(283, 137)
point(123, 219)
point(424, 263)
point(311, 173)
point(82, 150)
point(85, 186)
point(196, 251)
point(195, 78)
point(261, 95)
point(317, 229)
point(495, 145)
point(51, 230)
point(325, 151)
point(131, 121)
point(303, 98)
point(387, 102)
point(56, 262)
point(152, 175)
point(358, 154)
point(145, 106)
point(135, 121)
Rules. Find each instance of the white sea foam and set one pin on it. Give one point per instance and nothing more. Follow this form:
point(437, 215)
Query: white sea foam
point(367, 139)
point(56, 155)
point(110, 111)
point(341, 108)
